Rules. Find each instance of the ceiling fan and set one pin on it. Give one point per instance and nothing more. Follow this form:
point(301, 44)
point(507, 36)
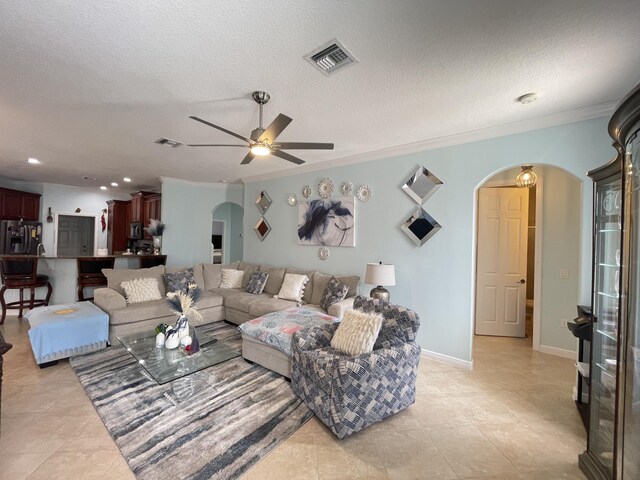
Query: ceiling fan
point(263, 141)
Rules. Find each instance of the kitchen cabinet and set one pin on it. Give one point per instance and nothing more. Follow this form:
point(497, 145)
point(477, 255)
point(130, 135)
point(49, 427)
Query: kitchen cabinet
point(614, 403)
point(117, 226)
point(136, 207)
point(151, 210)
point(16, 205)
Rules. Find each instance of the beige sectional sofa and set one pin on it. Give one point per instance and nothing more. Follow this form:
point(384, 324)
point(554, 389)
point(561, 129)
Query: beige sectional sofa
point(231, 304)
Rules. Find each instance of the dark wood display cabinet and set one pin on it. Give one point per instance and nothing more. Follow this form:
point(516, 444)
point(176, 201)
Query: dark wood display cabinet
point(16, 205)
point(614, 366)
point(117, 225)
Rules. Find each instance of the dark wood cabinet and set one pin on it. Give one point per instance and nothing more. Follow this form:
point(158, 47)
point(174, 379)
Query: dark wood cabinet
point(136, 207)
point(151, 210)
point(117, 225)
point(16, 205)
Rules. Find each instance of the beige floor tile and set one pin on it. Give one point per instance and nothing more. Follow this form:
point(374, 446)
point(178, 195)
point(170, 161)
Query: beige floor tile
point(296, 459)
point(93, 435)
point(75, 465)
point(355, 457)
point(469, 452)
point(43, 433)
point(119, 470)
point(17, 466)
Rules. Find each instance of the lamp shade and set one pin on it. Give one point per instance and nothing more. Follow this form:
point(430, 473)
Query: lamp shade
point(380, 274)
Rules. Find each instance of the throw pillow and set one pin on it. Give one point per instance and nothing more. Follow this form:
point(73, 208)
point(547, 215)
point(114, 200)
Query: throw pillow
point(141, 290)
point(357, 332)
point(231, 278)
point(178, 281)
point(257, 281)
point(292, 287)
point(334, 293)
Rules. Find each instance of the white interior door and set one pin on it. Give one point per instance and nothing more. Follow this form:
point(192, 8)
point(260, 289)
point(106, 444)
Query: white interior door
point(502, 261)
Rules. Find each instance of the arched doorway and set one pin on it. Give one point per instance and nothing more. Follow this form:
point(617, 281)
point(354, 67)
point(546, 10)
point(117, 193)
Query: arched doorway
point(546, 292)
point(227, 233)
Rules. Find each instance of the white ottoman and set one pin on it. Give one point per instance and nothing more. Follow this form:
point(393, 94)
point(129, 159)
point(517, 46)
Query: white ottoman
point(61, 331)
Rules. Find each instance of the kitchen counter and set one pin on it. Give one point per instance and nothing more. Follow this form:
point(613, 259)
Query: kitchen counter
point(63, 274)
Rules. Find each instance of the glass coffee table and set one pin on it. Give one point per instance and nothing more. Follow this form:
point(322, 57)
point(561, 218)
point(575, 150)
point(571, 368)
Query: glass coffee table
point(164, 365)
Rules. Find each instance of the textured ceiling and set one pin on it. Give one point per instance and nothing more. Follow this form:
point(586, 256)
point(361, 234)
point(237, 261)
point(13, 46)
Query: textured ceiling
point(87, 86)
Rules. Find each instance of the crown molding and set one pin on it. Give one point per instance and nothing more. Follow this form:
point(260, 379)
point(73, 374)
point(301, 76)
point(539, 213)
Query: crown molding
point(219, 185)
point(538, 123)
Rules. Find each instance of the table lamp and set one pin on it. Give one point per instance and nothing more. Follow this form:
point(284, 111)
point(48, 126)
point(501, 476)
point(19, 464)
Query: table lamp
point(382, 275)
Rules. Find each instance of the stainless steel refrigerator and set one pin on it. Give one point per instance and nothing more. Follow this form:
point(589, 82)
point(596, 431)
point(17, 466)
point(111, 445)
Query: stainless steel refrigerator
point(20, 238)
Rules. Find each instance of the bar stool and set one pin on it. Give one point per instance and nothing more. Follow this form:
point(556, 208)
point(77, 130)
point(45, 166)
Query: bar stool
point(90, 273)
point(18, 273)
point(152, 261)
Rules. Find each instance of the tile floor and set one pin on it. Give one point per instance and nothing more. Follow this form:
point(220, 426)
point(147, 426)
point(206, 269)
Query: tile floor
point(511, 418)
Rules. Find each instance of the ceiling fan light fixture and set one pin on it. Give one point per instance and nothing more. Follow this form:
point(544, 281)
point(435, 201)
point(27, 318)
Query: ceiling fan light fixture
point(527, 177)
point(260, 150)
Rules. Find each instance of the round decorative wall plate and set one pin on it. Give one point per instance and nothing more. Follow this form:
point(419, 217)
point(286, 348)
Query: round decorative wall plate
point(323, 253)
point(307, 191)
point(364, 193)
point(346, 188)
point(325, 188)
point(292, 200)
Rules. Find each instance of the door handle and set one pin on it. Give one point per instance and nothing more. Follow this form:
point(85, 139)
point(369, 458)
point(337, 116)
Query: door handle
point(521, 281)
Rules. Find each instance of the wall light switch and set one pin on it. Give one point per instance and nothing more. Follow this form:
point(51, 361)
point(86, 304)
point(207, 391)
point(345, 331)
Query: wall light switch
point(564, 273)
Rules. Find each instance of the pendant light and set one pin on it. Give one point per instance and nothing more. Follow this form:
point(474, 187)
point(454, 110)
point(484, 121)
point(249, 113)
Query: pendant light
point(526, 178)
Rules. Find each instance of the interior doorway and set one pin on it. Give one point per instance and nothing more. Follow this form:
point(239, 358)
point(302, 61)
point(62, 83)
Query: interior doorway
point(227, 234)
point(75, 235)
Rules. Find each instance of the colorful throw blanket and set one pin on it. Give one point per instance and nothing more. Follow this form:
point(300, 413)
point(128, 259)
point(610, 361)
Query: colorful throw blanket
point(276, 329)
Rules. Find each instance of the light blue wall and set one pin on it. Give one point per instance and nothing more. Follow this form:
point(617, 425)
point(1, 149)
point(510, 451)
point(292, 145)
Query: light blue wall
point(187, 210)
point(436, 280)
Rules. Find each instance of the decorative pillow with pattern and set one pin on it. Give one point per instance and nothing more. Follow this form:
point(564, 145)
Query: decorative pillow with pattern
point(292, 287)
point(357, 332)
point(141, 290)
point(335, 292)
point(231, 278)
point(257, 281)
point(178, 281)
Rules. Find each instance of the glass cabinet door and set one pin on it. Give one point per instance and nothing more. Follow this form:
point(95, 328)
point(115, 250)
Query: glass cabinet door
point(631, 390)
point(608, 244)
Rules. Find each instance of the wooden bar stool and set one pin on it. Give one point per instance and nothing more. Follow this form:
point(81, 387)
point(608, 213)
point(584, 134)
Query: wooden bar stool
point(90, 273)
point(152, 261)
point(18, 273)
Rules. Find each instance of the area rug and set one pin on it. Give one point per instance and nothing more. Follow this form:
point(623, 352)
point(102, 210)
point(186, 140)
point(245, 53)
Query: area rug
point(238, 413)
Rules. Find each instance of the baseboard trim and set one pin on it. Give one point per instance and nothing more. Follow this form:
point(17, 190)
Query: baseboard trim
point(440, 357)
point(558, 352)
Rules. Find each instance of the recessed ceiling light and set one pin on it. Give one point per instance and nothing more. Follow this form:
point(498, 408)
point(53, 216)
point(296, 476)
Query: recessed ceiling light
point(224, 181)
point(102, 187)
point(126, 179)
point(114, 184)
point(33, 161)
point(528, 98)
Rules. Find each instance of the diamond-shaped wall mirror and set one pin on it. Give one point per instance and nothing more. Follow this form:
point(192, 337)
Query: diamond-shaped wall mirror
point(420, 227)
point(263, 202)
point(262, 228)
point(422, 185)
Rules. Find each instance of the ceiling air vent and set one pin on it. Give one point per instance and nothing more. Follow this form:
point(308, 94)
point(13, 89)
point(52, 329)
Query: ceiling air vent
point(331, 57)
point(168, 142)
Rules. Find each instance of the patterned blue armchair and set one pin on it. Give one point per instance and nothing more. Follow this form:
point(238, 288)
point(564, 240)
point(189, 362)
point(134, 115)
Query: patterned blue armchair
point(350, 393)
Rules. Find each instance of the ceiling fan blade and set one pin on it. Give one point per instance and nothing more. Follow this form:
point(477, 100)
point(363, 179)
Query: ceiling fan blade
point(303, 146)
point(275, 128)
point(215, 145)
point(287, 156)
point(221, 129)
point(250, 156)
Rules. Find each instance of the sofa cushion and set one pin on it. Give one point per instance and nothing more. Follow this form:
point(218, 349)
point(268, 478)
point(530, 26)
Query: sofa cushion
point(293, 287)
point(269, 305)
point(141, 290)
point(138, 312)
point(231, 278)
point(177, 281)
point(248, 269)
point(308, 289)
point(197, 276)
point(232, 265)
point(321, 281)
point(257, 281)
point(209, 300)
point(226, 292)
point(212, 275)
point(115, 276)
point(242, 301)
point(276, 276)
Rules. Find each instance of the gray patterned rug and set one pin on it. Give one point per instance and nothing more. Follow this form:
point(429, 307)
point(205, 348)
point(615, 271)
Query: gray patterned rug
point(238, 413)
